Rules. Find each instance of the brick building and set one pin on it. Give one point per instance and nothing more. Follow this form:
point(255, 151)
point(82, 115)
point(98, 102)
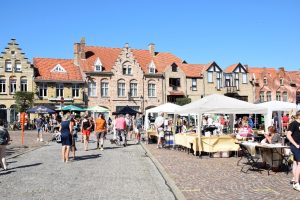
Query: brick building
point(16, 74)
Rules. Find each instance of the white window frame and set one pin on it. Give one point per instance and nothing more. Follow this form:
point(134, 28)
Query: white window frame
point(43, 90)
point(262, 97)
point(104, 88)
point(59, 91)
point(58, 68)
point(92, 92)
point(2, 86)
point(210, 77)
point(194, 84)
point(152, 68)
point(219, 80)
point(281, 81)
point(151, 90)
point(98, 65)
point(23, 85)
point(133, 89)
point(278, 96)
point(75, 90)
point(269, 96)
point(285, 96)
point(121, 89)
point(8, 65)
point(18, 66)
point(244, 78)
point(12, 86)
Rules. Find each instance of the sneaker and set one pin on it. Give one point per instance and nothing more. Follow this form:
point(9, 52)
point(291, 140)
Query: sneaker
point(296, 187)
point(101, 149)
point(41, 140)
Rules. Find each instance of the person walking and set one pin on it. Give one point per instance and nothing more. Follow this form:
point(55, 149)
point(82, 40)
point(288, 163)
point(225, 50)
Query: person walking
point(73, 135)
point(121, 130)
point(138, 128)
point(4, 140)
point(159, 125)
point(293, 134)
point(86, 127)
point(39, 128)
point(100, 129)
point(66, 129)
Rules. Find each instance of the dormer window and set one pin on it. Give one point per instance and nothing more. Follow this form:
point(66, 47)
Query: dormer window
point(98, 65)
point(281, 81)
point(174, 67)
point(265, 81)
point(152, 68)
point(58, 68)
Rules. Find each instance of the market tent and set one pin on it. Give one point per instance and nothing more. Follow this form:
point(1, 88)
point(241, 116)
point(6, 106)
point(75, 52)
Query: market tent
point(126, 110)
point(220, 104)
point(217, 103)
point(277, 106)
point(97, 109)
point(165, 108)
point(72, 108)
point(40, 110)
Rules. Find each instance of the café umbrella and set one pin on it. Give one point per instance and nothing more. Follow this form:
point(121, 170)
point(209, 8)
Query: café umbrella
point(40, 110)
point(72, 108)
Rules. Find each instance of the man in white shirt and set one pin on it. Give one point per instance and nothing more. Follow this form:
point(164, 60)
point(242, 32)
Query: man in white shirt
point(159, 125)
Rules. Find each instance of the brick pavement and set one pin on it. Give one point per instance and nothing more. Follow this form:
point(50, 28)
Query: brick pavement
point(220, 178)
point(30, 142)
point(115, 173)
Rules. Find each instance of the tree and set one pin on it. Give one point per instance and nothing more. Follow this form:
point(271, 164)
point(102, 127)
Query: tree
point(183, 101)
point(24, 100)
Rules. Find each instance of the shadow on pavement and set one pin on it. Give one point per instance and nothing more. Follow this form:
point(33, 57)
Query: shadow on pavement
point(24, 166)
point(6, 172)
point(109, 148)
point(78, 158)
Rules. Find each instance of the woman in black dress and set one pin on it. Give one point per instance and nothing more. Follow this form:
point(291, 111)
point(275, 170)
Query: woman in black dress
point(66, 128)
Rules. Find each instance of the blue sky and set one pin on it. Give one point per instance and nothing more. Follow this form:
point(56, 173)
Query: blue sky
point(262, 33)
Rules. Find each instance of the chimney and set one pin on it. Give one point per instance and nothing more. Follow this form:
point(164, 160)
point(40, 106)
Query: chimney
point(81, 48)
point(151, 48)
point(76, 53)
point(281, 69)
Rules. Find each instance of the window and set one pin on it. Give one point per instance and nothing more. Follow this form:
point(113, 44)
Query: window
point(265, 81)
point(18, 66)
point(281, 81)
point(219, 80)
point(174, 83)
point(236, 80)
point(23, 85)
point(8, 66)
point(228, 80)
point(58, 68)
point(261, 97)
point(151, 90)
point(133, 89)
point(92, 89)
point(98, 65)
point(174, 67)
point(244, 77)
point(126, 68)
point(104, 89)
point(43, 90)
point(152, 68)
point(75, 90)
point(121, 89)
point(269, 96)
point(59, 90)
point(13, 86)
point(278, 96)
point(2, 86)
point(284, 96)
point(209, 77)
point(194, 84)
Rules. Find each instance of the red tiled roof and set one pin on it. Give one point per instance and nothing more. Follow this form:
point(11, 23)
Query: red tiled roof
point(194, 70)
point(108, 57)
point(231, 68)
point(45, 65)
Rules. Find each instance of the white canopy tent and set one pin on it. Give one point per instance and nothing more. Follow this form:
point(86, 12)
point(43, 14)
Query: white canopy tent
point(165, 108)
point(220, 104)
point(277, 106)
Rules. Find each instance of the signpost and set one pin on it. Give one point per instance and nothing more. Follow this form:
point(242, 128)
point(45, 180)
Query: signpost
point(22, 121)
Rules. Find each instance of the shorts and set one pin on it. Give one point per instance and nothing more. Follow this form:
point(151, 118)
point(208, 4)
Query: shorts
point(161, 132)
point(86, 132)
point(100, 134)
point(296, 153)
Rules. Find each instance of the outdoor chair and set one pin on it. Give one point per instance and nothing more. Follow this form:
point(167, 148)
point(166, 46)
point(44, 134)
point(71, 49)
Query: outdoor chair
point(252, 161)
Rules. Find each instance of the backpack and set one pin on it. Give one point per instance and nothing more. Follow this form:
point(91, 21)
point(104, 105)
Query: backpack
point(3, 137)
